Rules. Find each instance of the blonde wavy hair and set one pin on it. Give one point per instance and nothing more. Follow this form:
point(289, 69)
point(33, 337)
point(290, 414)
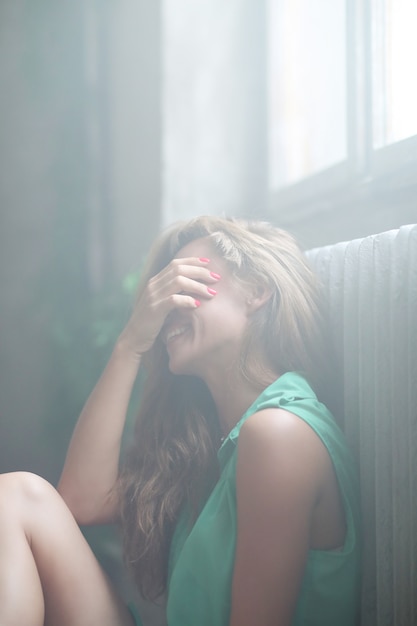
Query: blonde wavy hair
point(173, 460)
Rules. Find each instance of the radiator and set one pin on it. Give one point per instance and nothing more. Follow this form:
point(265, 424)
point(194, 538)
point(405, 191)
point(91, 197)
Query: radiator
point(372, 291)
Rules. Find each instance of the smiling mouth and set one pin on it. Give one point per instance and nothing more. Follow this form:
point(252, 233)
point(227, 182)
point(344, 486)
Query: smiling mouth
point(172, 334)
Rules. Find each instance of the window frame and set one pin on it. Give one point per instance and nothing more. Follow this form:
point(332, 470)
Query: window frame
point(367, 171)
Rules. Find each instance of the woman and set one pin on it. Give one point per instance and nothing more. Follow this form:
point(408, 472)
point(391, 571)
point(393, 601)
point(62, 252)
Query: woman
point(238, 498)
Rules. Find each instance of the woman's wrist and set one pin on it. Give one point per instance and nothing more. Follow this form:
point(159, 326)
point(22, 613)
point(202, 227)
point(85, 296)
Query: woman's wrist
point(123, 350)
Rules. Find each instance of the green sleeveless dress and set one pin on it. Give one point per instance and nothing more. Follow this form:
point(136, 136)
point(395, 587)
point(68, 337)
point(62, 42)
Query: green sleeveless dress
point(202, 556)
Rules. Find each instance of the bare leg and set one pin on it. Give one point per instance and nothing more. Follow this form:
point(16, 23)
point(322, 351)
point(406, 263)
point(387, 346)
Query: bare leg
point(48, 572)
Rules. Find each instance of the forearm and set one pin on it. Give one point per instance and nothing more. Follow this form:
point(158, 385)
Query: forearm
point(91, 466)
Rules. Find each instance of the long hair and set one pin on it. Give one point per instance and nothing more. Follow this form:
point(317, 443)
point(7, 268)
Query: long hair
point(173, 460)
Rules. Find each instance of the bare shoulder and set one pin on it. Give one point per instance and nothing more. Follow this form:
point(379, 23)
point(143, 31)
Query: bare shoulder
point(278, 428)
point(279, 441)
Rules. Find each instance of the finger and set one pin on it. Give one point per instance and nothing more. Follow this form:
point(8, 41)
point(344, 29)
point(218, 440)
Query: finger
point(159, 306)
point(192, 267)
point(179, 292)
point(172, 276)
point(191, 262)
point(189, 277)
point(182, 284)
point(202, 274)
point(182, 301)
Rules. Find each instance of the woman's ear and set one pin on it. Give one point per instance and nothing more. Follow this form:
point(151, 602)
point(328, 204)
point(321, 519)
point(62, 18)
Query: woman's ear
point(258, 298)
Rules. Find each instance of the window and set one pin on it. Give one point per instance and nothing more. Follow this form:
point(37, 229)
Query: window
point(307, 106)
point(394, 83)
point(342, 98)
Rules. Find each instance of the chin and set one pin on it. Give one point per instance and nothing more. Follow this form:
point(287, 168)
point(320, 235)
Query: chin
point(179, 368)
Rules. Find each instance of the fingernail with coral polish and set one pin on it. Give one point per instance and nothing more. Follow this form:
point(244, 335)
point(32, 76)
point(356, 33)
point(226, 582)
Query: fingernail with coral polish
point(211, 291)
point(197, 302)
point(214, 275)
point(204, 260)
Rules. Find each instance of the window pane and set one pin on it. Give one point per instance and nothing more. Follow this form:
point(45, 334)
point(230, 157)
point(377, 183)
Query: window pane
point(307, 87)
point(395, 87)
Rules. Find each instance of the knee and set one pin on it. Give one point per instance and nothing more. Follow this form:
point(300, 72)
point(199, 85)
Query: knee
point(17, 488)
